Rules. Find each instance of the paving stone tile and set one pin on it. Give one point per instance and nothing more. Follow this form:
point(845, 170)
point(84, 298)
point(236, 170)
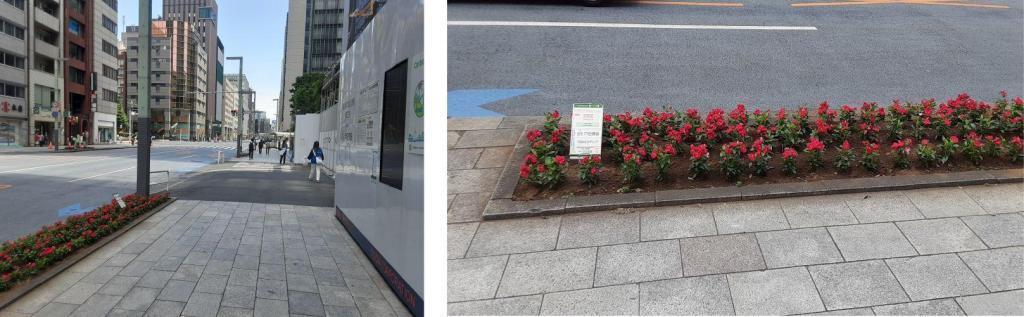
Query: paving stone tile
point(1002, 198)
point(272, 272)
point(692, 296)
point(305, 304)
point(844, 312)
point(467, 207)
point(720, 254)
point(545, 272)
point(638, 262)
point(218, 267)
point(119, 259)
point(271, 308)
point(856, 284)
point(509, 306)
point(515, 236)
point(117, 312)
point(459, 237)
point(462, 159)
point(759, 293)
point(998, 269)
point(328, 277)
point(463, 124)
point(118, 285)
point(798, 247)
point(940, 307)
point(935, 276)
point(247, 262)
point(155, 279)
point(202, 306)
point(168, 263)
point(488, 138)
point(272, 289)
point(610, 300)
point(944, 202)
point(136, 268)
point(139, 298)
point(993, 304)
point(747, 216)
point(165, 308)
point(374, 307)
point(298, 266)
point(187, 272)
point(302, 283)
point(493, 157)
point(177, 291)
point(871, 241)
point(474, 278)
point(78, 293)
point(336, 296)
point(341, 311)
point(998, 230)
point(243, 277)
point(322, 262)
point(239, 296)
point(453, 139)
point(472, 181)
point(101, 275)
point(598, 228)
point(234, 312)
point(211, 283)
point(97, 305)
point(817, 211)
point(882, 206)
point(940, 235)
point(56, 309)
point(363, 288)
point(675, 222)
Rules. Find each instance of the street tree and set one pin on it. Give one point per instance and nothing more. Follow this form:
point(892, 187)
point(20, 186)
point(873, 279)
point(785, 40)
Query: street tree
point(122, 118)
point(306, 93)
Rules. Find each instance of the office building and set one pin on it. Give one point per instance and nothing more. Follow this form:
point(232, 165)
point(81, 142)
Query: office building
point(203, 14)
point(246, 104)
point(14, 77)
point(229, 126)
point(46, 81)
point(314, 42)
point(178, 79)
point(104, 65)
point(78, 69)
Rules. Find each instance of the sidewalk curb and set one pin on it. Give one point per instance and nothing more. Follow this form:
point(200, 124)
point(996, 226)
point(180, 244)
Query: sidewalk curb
point(65, 151)
point(12, 295)
point(502, 206)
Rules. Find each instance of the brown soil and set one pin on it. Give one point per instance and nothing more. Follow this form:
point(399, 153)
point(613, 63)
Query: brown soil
point(611, 177)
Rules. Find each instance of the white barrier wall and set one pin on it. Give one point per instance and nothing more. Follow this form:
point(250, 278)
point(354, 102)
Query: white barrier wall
point(307, 131)
point(379, 161)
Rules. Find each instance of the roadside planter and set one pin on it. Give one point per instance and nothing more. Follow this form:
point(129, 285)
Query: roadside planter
point(649, 157)
point(31, 259)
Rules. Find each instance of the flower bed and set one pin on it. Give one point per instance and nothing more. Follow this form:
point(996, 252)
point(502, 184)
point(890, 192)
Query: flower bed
point(677, 150)
point(32, 254)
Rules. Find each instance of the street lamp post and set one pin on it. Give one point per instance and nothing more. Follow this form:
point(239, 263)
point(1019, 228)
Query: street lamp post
point(241, 109)
point(142, 159)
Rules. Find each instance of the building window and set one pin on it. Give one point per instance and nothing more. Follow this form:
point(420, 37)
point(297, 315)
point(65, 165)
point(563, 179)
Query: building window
point(47, 35)
point(76, 75)
point(12, 60)
point(77, 5)
point(392, 126)
point(51, 8)
point(111, 3)
point(12, 90)
point(110, 49)
point(20, 4)
point(109, 72)
point(43, 63)
point(77, 52)
point(109, 95)
point(109, 24)
point(12, 29)
point(75, 27)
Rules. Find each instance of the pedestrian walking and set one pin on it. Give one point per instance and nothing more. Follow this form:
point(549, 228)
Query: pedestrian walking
point(283, 151)
point(251, 148)
point(315, 156)
point(261, 147)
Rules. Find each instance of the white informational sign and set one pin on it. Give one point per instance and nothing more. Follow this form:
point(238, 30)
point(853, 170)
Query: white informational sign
point(120, 202)
point(586, 130)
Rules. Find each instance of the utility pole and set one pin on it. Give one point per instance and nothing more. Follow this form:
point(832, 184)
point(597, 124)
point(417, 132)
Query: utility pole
point(241, 109)
point(142, 159)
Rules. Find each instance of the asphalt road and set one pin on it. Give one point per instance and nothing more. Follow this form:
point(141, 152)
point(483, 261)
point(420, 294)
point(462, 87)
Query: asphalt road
point(38, 189)
point(855, 53)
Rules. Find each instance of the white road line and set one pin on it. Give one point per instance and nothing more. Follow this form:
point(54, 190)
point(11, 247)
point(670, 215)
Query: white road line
point(81, 162)
point(635, 25)
point(98, 175)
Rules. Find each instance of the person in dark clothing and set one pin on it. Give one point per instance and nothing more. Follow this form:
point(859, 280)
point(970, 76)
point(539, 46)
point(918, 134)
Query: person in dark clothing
point(261, 147)
point(283, 150)
point(252, 147)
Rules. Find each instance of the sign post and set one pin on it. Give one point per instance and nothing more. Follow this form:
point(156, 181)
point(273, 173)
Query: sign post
point(586, 130)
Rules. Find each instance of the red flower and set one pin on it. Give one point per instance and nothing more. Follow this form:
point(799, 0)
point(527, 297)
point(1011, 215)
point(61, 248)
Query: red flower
point(533, 135)
point(560, 160)
point(789, 153)
point(555, 115)
point(870, 148)
point(593, 171)
point(46, 252)
point(670, 150)
point(541, 168)
point(607, 118)
point(698, 151)
point(846, 145)
point(954, 139)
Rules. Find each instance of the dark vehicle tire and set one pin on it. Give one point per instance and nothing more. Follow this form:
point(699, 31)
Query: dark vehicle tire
point(592, 3)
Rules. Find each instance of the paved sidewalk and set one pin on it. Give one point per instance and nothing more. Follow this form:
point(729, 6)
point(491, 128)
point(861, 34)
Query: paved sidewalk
point(199, 258)
point(945, 251)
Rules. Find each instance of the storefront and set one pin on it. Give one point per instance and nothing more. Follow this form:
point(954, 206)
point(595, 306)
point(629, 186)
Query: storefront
point(13, 122)
point(104, 133)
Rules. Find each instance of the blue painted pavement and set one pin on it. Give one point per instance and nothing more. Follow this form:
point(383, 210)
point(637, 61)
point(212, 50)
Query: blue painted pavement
point(468, 102)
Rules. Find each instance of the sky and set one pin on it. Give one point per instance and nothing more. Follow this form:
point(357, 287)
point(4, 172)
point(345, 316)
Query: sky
point(253, 29)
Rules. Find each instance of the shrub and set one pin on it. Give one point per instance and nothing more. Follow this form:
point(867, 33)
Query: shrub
point(845, 158)
point(731, 159)
point(789, 161)
point(590, 169)
point(760, 155)
point(870, 158)
point(900, 151)
point(631, 163)
point(814, 150)
point(699, 156)
point(973, 149)
point(663, 160)
point(1015, 149)
point(926, 154)
point(949, 147)
point(547, 171)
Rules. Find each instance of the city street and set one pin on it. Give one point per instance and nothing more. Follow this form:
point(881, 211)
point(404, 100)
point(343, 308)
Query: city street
point(38, 189)
point(508, 57)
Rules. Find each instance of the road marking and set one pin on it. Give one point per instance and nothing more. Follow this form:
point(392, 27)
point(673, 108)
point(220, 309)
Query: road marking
point(81, 162)
point(634, 25)
point(98, 175)
point(687, 3)
point(5, 186)
point(468, 102)
point(959, 3)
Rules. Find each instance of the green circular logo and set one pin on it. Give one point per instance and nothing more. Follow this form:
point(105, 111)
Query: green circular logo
point(417, 100)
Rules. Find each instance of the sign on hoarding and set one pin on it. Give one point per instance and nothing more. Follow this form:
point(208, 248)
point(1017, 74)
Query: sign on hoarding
point(586, 130)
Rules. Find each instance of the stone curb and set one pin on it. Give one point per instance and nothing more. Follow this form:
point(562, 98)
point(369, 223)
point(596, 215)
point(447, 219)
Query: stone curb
point(501, 205)
point(11, 295)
